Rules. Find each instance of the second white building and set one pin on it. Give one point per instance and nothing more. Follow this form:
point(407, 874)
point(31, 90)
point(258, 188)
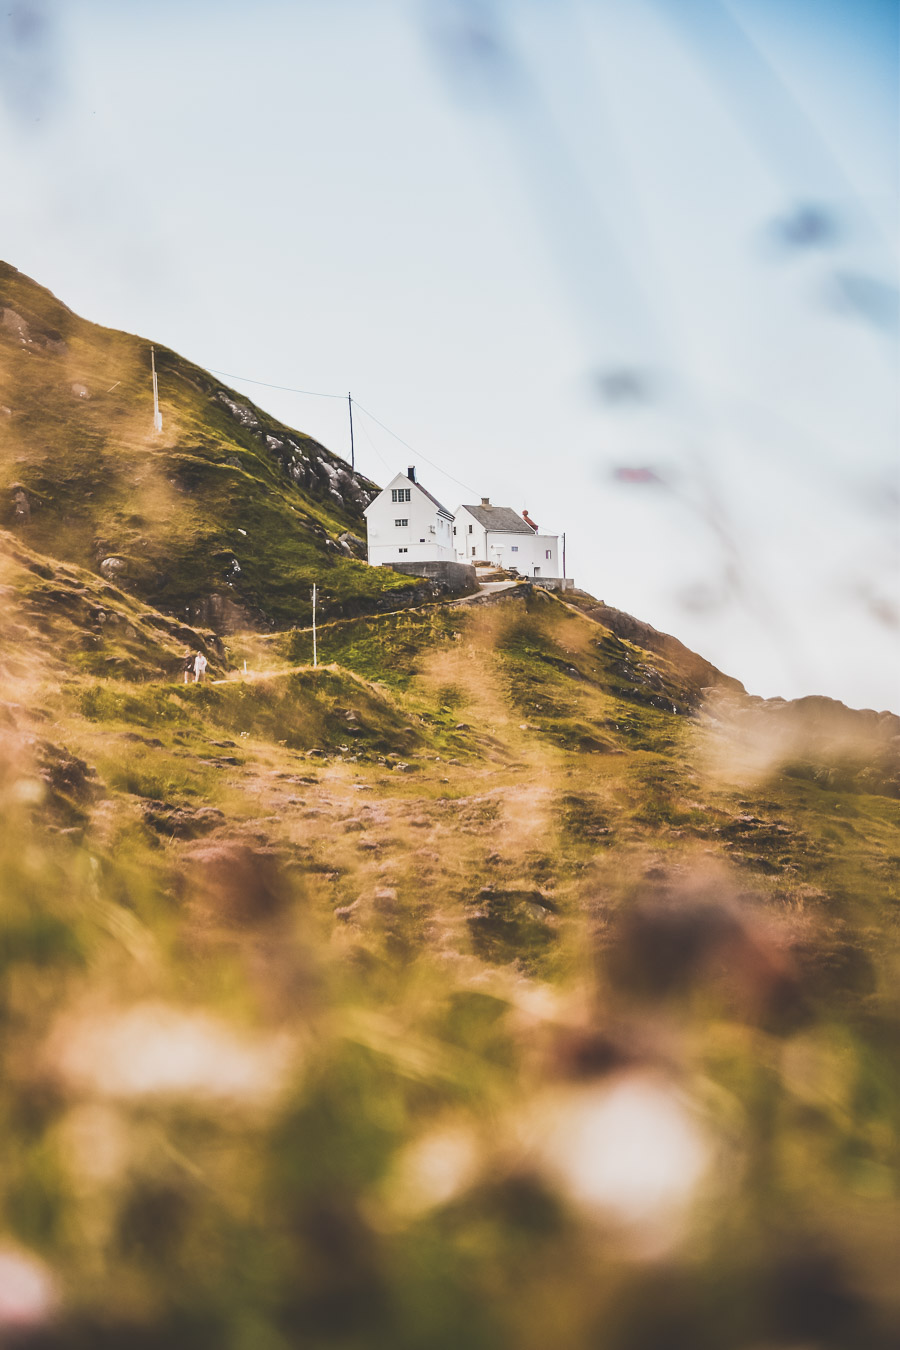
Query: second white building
point(499, 535)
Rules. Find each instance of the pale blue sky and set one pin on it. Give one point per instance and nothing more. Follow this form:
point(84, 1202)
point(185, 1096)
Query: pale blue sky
point(465, 212)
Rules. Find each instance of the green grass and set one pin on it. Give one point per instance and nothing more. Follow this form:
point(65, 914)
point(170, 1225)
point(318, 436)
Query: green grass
point(172, 508)
point(305, 1049)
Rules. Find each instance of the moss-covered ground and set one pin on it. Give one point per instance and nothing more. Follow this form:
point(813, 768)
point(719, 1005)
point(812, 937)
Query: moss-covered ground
point(489, 985)
point(451, 993)
point(224, 516)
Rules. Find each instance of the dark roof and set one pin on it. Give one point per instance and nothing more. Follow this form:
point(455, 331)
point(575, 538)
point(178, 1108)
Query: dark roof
point(448, 514)
point(500, 519)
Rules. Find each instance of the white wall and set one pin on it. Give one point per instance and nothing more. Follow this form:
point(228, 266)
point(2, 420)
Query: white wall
point(539, 563)
point(525, 552)
point(470, 538)
point(427, 536)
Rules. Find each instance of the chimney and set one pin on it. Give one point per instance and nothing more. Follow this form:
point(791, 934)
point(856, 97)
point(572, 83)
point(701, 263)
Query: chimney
point(485, 501)
point(528, 521)
point(411, 473)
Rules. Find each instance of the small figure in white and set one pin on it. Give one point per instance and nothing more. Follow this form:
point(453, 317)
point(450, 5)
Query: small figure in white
point(199, 667)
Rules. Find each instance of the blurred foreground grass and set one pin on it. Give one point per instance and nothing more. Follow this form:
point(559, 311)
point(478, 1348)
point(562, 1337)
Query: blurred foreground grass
point(452, 995)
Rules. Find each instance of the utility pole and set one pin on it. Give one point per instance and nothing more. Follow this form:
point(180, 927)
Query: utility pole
point(157, 415)
point(315, 652)
point(564, 555)
point(352, 452)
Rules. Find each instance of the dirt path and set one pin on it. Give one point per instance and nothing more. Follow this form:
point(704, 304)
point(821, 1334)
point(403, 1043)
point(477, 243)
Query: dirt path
point(488, 591)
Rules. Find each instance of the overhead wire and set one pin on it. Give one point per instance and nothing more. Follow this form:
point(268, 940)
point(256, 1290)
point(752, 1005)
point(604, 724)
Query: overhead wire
point(365, 432)
point(285, 388)
point(458, 481)
point(315, 393)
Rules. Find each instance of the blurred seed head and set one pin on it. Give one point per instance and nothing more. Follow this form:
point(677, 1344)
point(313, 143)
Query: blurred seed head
point(868, 298)
point(809, 225)
point(28, 1295)
point(31, 71)
point(155, 1050)
point(631, 1151)
point(433, 1170)
point(624, 385)
point(672, 942)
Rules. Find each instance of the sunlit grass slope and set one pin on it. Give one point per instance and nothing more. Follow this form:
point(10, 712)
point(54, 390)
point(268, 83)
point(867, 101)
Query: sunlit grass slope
point(224, 517)
point(511, 980)
point(477, 988)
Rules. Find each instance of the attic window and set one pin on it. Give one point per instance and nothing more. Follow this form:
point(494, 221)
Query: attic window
point(400, 494)
point(401, 523)
point(454, 529)
point(470, 529)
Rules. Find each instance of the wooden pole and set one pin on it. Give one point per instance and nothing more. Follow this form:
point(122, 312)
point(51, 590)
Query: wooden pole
point(564, 555)
point(352, 451)
point(157, 415)
point(315, 652)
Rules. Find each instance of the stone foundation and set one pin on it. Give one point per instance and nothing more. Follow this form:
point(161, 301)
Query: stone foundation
point(552, 583)
point(457, 578)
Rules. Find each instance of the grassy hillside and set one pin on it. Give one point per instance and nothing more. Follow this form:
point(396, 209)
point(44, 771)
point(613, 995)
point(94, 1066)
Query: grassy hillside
point(476, 988)
point(513, 979)
point(225, 518)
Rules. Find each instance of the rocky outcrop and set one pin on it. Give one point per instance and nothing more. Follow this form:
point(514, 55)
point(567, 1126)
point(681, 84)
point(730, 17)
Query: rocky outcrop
point(21, 506)
point(222, 613)
point(306, 462)
point(693, 667)
point(353, 545)
point(29, 332)
point(817, 738)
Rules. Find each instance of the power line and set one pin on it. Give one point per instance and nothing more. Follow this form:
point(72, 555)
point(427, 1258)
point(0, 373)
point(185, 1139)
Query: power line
point(285, 388)
point(365, 432)
point(468, 487)
point(315, 393)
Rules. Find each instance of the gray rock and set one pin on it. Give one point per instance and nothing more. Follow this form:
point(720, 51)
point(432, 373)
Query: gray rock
point(239, 411)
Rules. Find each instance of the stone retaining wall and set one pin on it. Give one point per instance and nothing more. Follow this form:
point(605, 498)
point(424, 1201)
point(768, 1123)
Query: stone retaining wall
point(457, 578)
point(553, 583)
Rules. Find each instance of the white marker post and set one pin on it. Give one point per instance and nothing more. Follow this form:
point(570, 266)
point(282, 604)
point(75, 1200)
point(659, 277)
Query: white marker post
point(157, 415)
point(315, 653)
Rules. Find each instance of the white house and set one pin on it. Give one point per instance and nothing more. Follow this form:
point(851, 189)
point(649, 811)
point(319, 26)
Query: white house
point(499, 535)
point(405, 523)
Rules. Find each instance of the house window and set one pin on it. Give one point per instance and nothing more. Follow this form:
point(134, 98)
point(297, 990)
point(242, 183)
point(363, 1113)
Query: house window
point(473, 547)
point(454, 529)
point(515, 548)
point(470, 529)
point(402, 550)
point(421, 541)
point(400, 494)
point(400, 523)
point(547, 553)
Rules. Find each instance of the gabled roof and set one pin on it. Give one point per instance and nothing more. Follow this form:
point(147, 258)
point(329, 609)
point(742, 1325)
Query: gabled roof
point(499, 519)
point(406, 481)
point(443, 510)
